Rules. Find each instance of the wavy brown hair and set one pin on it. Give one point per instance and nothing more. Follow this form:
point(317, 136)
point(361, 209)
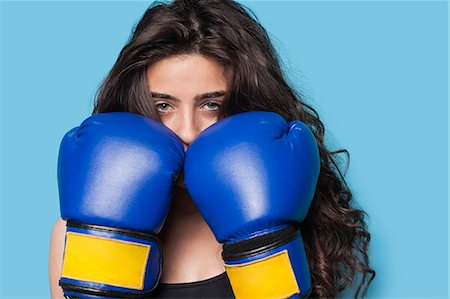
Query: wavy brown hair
point(334, 231)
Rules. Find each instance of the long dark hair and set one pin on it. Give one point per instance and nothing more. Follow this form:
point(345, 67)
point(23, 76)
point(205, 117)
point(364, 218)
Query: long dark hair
point(334, 231)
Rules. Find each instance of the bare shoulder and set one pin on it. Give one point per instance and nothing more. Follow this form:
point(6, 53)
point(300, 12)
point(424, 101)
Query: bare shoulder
point(56, 257)
point(60, 225)
point(57, 239)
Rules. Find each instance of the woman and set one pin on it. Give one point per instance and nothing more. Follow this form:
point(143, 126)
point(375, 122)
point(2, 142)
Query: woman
point(214, 48)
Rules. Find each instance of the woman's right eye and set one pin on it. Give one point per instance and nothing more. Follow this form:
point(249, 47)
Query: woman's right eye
point(163, 107)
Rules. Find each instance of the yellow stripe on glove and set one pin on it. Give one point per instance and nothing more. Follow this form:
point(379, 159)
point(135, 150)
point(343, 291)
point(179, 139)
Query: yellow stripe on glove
point(269, 278)
point(103, 260)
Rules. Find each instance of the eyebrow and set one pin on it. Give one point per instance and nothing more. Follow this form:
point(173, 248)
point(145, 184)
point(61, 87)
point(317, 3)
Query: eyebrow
point(207, 95)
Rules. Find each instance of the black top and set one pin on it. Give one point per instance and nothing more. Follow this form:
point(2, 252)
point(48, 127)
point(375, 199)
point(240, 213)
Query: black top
point(215, 287)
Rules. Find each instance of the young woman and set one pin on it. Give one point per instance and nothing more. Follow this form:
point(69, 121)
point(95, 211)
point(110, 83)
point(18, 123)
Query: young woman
point(188, 65)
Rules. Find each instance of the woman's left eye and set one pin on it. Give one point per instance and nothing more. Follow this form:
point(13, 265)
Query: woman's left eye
point(212, 105)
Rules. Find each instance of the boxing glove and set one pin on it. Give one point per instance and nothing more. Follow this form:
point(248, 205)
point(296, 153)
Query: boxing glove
point(116, 172)
point(253, 176)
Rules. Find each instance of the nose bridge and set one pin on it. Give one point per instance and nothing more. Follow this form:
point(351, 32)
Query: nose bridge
point(188, 126)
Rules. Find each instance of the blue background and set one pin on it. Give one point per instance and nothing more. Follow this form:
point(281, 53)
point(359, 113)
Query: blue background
point(377, 73)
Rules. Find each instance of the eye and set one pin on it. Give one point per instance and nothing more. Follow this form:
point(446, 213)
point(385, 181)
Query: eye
point(163, 107)
point(212, 106)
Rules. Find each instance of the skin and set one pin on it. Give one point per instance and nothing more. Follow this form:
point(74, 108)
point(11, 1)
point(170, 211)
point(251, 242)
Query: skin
point(187, 91)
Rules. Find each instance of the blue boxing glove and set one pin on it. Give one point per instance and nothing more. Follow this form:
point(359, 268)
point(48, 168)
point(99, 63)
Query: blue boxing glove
point(253, 176)
point(116, 172)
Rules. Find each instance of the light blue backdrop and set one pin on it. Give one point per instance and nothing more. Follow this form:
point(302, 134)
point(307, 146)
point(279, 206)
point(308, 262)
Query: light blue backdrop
point(377, 73)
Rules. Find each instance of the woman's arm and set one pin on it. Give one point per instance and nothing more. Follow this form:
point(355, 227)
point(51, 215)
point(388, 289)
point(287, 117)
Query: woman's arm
point(56, 257)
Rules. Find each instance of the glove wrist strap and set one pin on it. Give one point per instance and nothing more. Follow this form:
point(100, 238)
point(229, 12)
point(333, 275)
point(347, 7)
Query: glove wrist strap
point(269, 266)
point(106, 262)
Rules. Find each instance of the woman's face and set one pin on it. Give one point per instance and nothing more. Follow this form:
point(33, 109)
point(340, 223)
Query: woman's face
point(188, 91)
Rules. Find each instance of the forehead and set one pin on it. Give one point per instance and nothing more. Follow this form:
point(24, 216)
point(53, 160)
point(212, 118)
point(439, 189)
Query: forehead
point(186, 70)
